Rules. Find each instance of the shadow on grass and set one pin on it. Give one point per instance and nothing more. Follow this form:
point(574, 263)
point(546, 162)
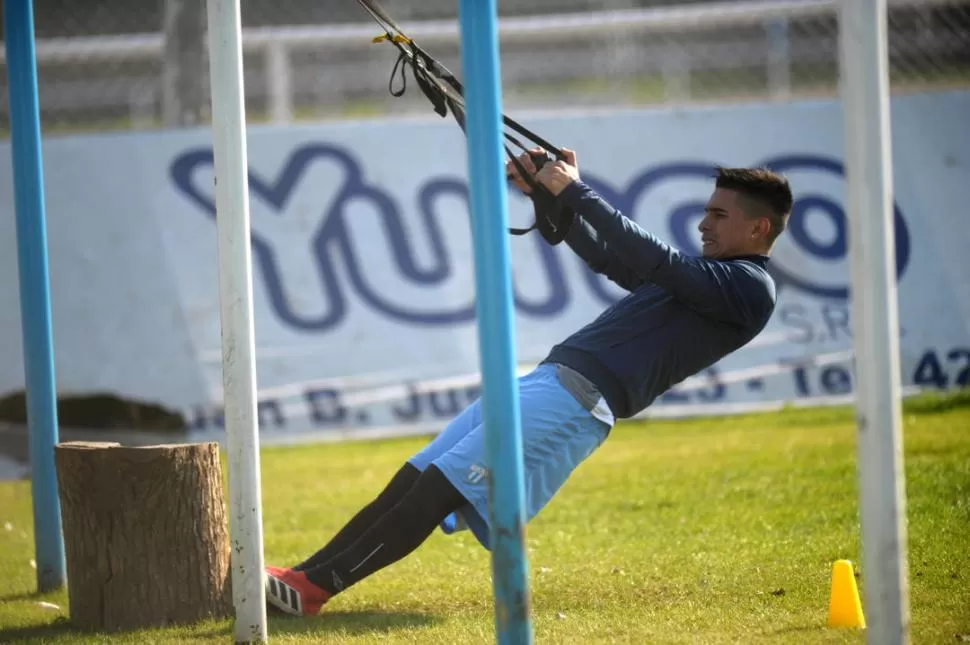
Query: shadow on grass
point(796, 629)
point(346, 622)
point(23, 595)
point(351, 623)
point(822, 633)
point(59, 628)
point(62, 630)
point(936, 402)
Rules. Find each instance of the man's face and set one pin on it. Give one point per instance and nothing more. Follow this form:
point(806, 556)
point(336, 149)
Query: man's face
point(726, 231)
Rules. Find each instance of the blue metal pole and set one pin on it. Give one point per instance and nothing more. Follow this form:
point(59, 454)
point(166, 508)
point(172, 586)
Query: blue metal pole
point(35, 310)
point(496, 331)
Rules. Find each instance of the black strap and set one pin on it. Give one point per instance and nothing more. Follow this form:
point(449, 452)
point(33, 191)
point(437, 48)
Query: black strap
point(446, 93)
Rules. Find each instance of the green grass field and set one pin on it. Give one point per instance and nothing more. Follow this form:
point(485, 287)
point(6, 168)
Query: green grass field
point(700, 531)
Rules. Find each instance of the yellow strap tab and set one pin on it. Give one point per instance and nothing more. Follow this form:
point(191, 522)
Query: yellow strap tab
point(396, 39)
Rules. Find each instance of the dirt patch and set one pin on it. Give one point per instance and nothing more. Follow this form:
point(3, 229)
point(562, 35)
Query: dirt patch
point(98, 411)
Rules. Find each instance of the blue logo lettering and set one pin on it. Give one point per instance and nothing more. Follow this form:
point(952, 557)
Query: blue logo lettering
point(331, 238)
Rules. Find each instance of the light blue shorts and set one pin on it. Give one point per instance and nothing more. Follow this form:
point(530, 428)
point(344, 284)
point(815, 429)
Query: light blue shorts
point(557, 435)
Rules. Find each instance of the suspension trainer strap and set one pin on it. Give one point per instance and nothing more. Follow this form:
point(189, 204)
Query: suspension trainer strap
point(445, 94)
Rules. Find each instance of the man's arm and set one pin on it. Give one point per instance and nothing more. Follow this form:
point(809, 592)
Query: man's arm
point(717, 289)
point(584, 242)
point(582, 239)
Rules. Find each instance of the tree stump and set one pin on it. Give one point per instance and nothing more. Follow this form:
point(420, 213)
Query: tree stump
point(145, 534)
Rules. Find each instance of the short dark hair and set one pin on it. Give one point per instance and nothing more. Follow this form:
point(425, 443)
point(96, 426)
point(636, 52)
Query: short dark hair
point(765, 187)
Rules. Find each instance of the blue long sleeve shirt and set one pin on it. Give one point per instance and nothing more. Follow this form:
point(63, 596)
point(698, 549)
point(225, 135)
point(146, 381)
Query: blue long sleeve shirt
point(682, 313)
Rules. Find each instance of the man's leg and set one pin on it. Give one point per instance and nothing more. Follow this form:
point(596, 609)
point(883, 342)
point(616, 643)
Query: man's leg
point(397, 488)
point(291, 590)
point(393, 493)
point(397, 533)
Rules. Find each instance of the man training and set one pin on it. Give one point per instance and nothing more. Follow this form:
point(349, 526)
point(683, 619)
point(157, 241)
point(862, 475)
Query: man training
point(682, 314)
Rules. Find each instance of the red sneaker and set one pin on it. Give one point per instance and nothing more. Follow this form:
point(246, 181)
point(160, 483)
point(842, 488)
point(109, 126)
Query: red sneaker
point(292, 592)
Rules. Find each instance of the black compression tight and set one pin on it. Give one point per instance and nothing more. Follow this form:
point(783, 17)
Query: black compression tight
point(393, 493)
point(368, 544)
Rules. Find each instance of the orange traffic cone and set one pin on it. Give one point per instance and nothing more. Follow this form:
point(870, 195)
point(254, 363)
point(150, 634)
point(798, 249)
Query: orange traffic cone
point(845, 608)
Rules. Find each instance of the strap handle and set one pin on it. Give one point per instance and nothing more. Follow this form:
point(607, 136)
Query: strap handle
point(445, 91)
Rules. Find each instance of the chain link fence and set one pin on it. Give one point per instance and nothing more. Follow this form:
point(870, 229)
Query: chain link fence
point(108, 64)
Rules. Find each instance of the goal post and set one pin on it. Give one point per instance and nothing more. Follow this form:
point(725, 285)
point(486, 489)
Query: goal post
point(236, 316)
point(864, 90)
point(35, 299)
point(488, 200)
